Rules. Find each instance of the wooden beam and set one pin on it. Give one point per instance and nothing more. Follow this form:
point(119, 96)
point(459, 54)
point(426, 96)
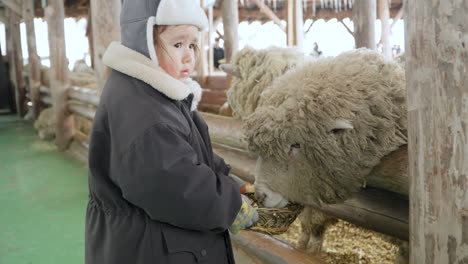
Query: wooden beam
point(308, 29)
point(221, 36)
point(295, 26)
point(265, 9)
point(82, 110)
point(437, 83)
point(210, 42)
point(347, 28)
point(225, 130)
point(3, 17)
point(378, 210)
point(290, 23)
point(364, 16)
point(10, 49)
point(34, 62)
point(203, 71)
point(230, 14)
point(84, 95)
point(384, 15)
point(397, 18)
point(15, 6)
point(106, 29)
point(20, 88)
point(260, 248)
point(89, 35)
point(298, 25)
point(59, 80)
point(217, 21)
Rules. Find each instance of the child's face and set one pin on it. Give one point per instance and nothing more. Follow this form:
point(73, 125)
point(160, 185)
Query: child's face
point(177, 57)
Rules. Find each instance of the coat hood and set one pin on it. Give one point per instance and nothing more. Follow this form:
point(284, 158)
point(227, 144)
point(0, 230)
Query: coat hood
point(139, 16)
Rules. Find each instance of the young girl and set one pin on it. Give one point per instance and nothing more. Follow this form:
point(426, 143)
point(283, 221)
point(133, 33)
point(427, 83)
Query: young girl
point(158, 193)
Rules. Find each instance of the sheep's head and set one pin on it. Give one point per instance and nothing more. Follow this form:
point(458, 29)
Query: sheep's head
point(253, 71)
point(319, 132)
point(300, 159)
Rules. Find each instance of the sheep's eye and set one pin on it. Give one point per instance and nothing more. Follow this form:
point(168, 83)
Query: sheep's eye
point(296, 145)
point(336, 131)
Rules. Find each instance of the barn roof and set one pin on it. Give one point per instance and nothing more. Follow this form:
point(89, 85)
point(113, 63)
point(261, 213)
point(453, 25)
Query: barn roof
point(249, 11)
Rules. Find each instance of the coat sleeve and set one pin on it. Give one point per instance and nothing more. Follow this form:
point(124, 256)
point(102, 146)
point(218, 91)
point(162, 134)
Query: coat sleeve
point(162, 175)
point(221, 165)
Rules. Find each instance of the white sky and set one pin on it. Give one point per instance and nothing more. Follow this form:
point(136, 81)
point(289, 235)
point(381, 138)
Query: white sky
point(331, 36)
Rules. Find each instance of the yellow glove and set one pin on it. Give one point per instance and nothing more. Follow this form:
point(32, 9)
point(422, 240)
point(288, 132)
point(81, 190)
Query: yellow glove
point(246, 217)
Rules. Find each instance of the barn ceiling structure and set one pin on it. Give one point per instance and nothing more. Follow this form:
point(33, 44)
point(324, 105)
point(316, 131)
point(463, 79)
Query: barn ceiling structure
point(249, 10)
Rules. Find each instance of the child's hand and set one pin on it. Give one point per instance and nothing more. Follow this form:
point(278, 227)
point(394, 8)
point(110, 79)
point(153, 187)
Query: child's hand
point(246, 217)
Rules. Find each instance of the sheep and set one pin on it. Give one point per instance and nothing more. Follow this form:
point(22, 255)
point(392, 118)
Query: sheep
point(320, 128)
point(258, 69)
point(45, 124)
point(81, 76)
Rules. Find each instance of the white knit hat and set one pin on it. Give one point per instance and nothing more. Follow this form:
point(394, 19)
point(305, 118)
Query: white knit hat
point(175, 12)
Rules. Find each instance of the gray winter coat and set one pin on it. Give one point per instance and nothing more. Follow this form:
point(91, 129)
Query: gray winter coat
point(158, 193)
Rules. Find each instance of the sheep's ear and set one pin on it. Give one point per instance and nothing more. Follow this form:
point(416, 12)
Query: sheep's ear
point(230, 69)
point(341, 125)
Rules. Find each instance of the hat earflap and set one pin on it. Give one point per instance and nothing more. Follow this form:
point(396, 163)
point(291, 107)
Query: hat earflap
point(150, 39)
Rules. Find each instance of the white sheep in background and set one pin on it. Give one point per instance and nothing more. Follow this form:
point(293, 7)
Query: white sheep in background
point(320, 129)
point(256, 70)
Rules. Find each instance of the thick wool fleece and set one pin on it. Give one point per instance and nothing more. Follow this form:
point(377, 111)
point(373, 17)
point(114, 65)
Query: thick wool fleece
point(258, 69)
point(301, 107)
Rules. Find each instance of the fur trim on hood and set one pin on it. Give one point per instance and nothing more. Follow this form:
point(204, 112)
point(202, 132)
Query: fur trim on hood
point(136, 65)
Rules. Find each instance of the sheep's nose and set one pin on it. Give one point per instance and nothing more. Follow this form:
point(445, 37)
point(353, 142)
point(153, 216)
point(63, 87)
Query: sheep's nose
point(260, 197)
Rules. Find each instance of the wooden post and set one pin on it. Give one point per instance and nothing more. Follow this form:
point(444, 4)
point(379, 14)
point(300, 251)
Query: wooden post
point(384, 15)
point(3, 16)
point(89, 35)
point(298, 24)
point(204, 55)
point(437, 83)
point(34, 63)
point(59, 81)
point(364, 15)
point(290, 23)
point(11, 61)
point(230, 13)
point(10, 50)
point(210, 42)
point(105, 16)
point(295, 26)
point(17, 65)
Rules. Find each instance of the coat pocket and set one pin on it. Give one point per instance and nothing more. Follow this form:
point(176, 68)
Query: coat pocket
point(180, 241)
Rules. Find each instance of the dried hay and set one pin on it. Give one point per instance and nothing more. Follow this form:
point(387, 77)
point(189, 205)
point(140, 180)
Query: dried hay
point(81, 79)
point(83, 125)
point(45, 78)
point(345, 243)
point(274, 221)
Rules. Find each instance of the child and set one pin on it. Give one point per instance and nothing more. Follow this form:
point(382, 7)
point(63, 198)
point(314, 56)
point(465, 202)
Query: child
point(158, 193)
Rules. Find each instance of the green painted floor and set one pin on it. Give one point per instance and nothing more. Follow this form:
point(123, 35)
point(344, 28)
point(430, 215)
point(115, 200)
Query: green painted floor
point(43, 195)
